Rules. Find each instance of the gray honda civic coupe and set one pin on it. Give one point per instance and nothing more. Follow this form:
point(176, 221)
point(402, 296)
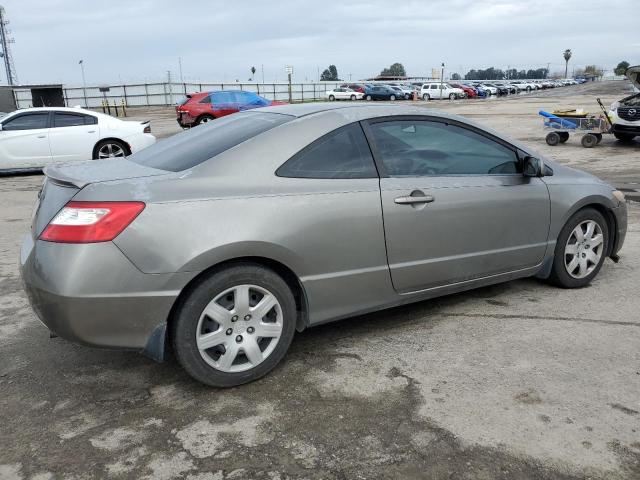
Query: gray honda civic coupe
point(221, 242)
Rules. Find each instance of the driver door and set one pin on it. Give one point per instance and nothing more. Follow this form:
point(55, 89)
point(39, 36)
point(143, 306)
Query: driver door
point(24, 140)
point(456, 205)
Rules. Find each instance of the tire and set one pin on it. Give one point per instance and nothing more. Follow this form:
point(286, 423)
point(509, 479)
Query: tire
point(552, 139)
point(564, 136)
point(332, 98)
point(528, 89)
point(426, 97)
point(352, 98)
point(452, 96)
point(204, 119)
point(624, 137)
point(110, 149)
point(368, 98)
point(561, 273)
point(392, 98)
point(598, 137)
point(233, 332)
point(589, 140)
point(407, 96)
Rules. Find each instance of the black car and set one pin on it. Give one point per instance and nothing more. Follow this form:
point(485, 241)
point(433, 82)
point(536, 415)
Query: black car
point(502, 90)
point(380, 92)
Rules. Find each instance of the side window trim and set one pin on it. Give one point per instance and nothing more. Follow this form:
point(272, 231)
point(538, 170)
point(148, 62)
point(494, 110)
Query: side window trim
point(84, 116)
point(382, 172)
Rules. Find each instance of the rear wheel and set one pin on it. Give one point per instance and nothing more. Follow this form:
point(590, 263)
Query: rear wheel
point(353, 97)
point(392, 98)
point(564, 136)
point(580, 250)
point(205, 119)
point(426, 97)
point(110, 149)
point(368, 98)
point(598, 137)
point(589, 140)
point(452, 96)
point(235, 326)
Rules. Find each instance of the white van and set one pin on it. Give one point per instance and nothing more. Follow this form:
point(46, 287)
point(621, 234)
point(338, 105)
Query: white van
point(437, 90)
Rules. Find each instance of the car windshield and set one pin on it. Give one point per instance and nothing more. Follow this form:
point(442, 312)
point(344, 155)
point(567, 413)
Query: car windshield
point(198, 144)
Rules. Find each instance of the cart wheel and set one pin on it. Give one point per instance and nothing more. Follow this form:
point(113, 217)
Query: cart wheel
point(553, 139)
point(564, 136)
point(589, 140)
point(599, 137)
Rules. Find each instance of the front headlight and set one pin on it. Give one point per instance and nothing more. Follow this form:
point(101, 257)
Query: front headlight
point(618, 195)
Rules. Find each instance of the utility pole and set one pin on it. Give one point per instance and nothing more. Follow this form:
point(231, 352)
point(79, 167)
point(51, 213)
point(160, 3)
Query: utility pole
point(289, 73)
point(441, 79)
point(5, 40)
point(170, 88)
point(262, 68)
point(180, 67)
point(84, 84)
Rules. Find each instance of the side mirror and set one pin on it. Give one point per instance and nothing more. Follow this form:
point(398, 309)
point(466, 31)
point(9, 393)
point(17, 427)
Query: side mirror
point(532, 167)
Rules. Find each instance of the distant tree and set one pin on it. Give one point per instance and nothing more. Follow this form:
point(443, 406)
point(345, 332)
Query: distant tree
point(455, 76)
point(253, 72)
point(488, 74)
point(330, 74)
point(593, 70)
point(567, 55)
point(395, 70)
point(621, 68)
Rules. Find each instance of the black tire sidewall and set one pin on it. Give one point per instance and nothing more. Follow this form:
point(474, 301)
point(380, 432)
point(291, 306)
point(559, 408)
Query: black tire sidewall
point(559, 274)
point(200, 119)
point(553, 139)
point(183, 331)
point(102, 143)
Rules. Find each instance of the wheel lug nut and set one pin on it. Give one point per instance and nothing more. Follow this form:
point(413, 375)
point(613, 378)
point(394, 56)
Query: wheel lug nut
point(234, 318)
point(229, 331)
point(247, 317)
point(250, 330)
point(239, 338)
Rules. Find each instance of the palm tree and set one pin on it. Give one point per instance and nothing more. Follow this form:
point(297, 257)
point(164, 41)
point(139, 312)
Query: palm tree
point(253, 72)
point(567, 56)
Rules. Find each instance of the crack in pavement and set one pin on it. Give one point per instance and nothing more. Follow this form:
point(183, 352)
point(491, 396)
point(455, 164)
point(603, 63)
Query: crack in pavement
point(506, 316)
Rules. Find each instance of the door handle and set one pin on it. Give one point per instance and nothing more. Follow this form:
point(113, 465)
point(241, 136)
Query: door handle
point(42, 136)
point(410, 200)
point(91, 131)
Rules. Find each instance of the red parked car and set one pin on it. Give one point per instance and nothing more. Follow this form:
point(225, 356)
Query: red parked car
point(202, 107)
point(471, 93)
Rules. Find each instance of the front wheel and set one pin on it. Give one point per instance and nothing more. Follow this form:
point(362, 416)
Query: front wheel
point(553, 139)
point(353, 97)
point(425, 97)
point(452, 96)
point(392, 98)
point(234, 326)
point(580, 250)
point(589, 140)
point(624, 137)
point(368, 98)
point(332, 98)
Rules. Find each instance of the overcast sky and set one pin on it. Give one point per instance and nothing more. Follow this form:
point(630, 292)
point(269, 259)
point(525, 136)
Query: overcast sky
point(139, 40)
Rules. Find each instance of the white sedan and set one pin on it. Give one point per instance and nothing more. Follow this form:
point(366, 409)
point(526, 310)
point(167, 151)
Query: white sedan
point(343, 93)
point(35, 137)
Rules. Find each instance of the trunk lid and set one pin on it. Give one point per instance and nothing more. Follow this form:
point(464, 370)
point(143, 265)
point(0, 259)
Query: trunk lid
point(63, 182)
point(633, 74)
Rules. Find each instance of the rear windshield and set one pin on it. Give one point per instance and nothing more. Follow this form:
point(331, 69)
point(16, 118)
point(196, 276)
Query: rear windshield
point(196, 145)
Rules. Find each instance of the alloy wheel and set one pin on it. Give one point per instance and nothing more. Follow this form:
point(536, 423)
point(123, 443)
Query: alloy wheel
point(584, 249)
point(239, 328)
point(111, 150)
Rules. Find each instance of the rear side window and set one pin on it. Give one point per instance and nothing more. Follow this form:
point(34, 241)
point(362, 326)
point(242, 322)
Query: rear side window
point(206, 99)
point(28, 121)
point(196, 145)
point(72, 119)
point(343, 153)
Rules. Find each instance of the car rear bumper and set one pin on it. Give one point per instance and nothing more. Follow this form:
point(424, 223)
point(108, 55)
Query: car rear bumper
point(93, 295)
point(140, 141)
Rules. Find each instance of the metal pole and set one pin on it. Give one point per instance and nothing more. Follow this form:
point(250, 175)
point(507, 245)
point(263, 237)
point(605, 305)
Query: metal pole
point(5, 47)
point(441, 79)
point(180, 66)
point(170, 87)
point(290, 96)
point(262, 68)
point(84, 84)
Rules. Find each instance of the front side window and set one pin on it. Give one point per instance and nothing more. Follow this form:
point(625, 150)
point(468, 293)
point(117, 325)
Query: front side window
point(343, 153)
point(426, 148)
point(28, 121)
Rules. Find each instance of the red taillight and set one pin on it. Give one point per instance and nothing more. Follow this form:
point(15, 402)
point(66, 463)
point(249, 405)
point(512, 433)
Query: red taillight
point(90, 222)
point(147, 129)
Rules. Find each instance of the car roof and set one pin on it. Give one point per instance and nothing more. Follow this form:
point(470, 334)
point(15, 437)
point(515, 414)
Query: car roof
point(57, 109)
